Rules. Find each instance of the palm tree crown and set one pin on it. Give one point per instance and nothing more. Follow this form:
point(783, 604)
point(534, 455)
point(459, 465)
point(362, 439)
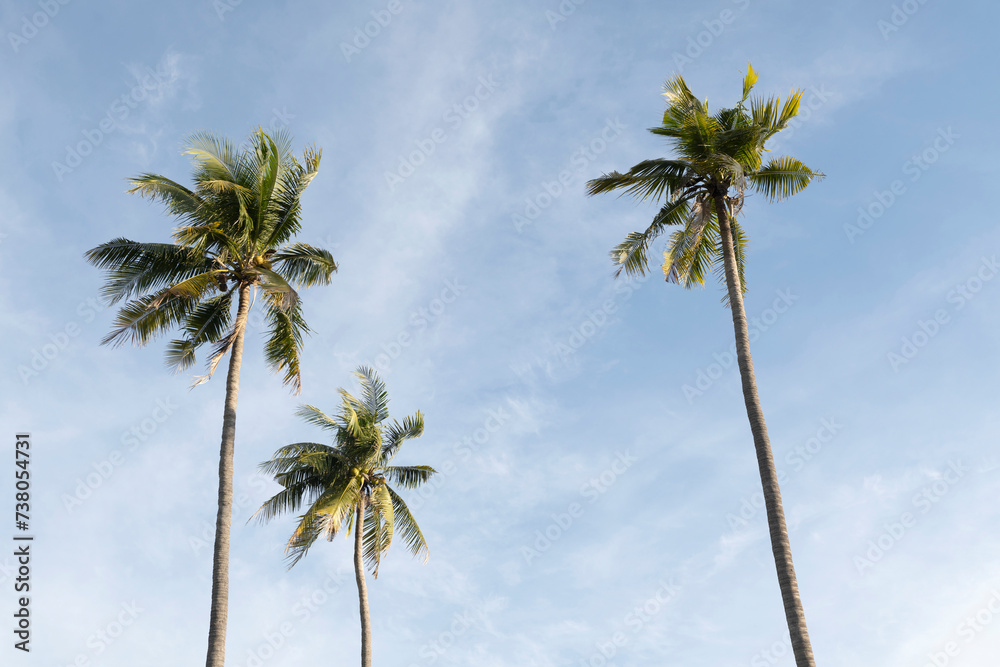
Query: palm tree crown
point(356, 472)
point(719, 157)
point(234, 230)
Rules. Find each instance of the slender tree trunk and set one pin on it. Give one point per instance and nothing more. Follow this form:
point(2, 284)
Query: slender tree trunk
point(359, 573)
point(794, 615)
point(220, 562)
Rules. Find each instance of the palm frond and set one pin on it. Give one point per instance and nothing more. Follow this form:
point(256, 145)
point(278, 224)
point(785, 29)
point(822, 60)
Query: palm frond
point(289, 457)
point(222, 347)
point(630, 254)
point(283, 348)
point(375, 398)
point(304, 265)
point(650, 179)
point(781, 178)
point(396, 433)
point(179, 200)
point(317, 417)
point(788, 111)
point(206, 323)
point(268, 168)
point(283, 296)
point(406, 526)
point(194, 287)
point(681, 102)
point(408, 477)
point(217, 158)
point(325, 517)
point(688, 257)
point(138, 321)
point(288, 194)
point(748, 82)
point(133, 267)
point(379, 527)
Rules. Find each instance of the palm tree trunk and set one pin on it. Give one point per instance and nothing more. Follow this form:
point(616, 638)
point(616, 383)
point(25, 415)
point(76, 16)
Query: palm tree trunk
point(220, 562)
point(780, 546)
point(359, 573)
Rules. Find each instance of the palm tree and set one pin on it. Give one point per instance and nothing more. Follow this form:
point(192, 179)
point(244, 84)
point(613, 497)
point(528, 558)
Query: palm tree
point(347, 485)
point(231, 240)
point(718, 158)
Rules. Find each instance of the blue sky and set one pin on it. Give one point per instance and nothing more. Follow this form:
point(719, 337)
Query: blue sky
point(597, 485)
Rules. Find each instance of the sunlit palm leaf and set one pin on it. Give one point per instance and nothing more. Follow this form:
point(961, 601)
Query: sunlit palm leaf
point(304, 265)
point(630, 255)
point(782, 177)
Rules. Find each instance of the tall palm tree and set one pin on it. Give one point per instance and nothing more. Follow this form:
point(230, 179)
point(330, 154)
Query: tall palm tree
point(231, 243)
point(718, 157)
point(347, 485)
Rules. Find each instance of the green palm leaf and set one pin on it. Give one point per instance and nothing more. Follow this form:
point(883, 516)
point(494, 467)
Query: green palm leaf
point(396, 433)
point(139, 320)
point(283, 347)
point(208, 322)
point(304, 265)
point(782, 177)
point(134, 268)
point(407, 527)
point(409, 477)
point(378, 527)
point(649, 179)
point(630, 254)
